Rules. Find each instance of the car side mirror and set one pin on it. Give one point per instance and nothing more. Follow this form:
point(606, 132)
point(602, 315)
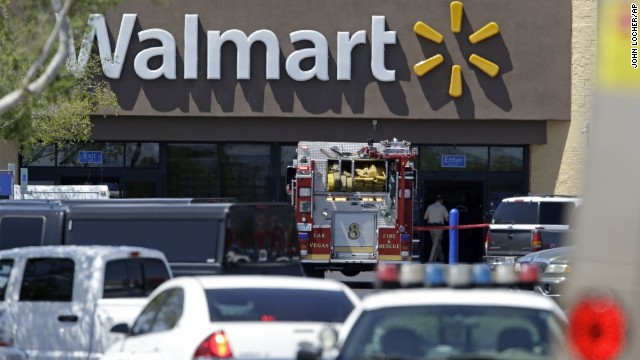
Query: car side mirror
point(120, 329)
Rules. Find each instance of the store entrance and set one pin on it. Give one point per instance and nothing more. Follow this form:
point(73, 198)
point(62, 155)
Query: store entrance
point(468, 198)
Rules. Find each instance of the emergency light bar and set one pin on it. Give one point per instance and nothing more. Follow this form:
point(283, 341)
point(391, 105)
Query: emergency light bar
point(393, 275)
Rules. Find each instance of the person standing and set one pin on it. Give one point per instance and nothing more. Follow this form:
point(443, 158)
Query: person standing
point(436, 215)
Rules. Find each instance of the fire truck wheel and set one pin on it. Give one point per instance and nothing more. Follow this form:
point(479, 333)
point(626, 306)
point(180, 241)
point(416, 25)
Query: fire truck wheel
point(350, 273)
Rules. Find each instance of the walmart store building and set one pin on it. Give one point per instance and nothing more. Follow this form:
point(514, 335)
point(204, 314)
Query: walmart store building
point(215, 94)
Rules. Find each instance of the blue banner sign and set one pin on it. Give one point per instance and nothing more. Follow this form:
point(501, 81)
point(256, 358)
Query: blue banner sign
point(6, 183)
point(90, 157)
point(454, 161)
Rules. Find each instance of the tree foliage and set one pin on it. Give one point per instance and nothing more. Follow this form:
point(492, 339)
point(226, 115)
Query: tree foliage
point(61, 113)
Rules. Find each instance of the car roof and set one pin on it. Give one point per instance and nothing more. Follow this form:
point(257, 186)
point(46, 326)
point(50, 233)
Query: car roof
point(84, 250)
point(268, 281)
point(136, 211)
point(544, 198)
point(448, 296)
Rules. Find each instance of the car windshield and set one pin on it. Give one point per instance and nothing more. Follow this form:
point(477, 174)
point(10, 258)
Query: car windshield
point(516, 213)
point(526, 212)
point(261, 233)
point(276, 304)
point(452, 332)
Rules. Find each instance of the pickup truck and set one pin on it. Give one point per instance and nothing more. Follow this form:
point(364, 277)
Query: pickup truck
point(526, 224)
point(60, 302)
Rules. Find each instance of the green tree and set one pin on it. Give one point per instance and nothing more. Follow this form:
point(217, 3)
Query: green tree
point(41, 102)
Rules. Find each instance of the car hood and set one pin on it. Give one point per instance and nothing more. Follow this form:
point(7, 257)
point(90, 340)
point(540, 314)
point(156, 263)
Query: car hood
point(270, 340)
point(559, 255)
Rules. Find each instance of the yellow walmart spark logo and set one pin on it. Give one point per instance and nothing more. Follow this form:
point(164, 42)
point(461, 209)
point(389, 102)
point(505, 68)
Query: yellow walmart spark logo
point(486, 66)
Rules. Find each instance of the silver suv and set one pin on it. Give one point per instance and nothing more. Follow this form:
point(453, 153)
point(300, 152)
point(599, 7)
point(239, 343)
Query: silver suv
point(526, 224)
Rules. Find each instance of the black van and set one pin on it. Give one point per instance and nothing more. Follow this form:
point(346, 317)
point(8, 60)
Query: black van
point(31, 224)
point(197, 238)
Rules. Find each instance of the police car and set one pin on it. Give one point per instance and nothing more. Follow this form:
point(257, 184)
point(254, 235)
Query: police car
point(465, 312)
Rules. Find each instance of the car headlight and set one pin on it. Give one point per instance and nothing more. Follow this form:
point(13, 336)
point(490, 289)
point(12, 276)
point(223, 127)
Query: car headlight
point(517, 266)
point(558, 269)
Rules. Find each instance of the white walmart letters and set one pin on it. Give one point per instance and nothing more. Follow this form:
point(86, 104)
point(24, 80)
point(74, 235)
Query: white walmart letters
point(112, 61)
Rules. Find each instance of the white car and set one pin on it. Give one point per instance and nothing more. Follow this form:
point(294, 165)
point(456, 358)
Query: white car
point(459, 322)
point(242, 317)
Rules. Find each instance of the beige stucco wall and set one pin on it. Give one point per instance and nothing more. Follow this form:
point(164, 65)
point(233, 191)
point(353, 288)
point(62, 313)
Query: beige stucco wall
point(8, 154)
point(556, 167)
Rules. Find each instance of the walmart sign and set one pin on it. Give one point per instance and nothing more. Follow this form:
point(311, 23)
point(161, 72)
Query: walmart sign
point(113, 59)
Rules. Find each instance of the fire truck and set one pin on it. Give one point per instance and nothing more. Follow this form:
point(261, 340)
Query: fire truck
point(354, 204)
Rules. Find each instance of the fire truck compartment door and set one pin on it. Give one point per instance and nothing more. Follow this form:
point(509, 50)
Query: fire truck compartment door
point(354, 232)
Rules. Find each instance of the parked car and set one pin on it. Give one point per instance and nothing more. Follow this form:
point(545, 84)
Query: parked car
point(59, 302)
point(452, 320)
point(242, 317)
point(526, 224)
point(554, 267)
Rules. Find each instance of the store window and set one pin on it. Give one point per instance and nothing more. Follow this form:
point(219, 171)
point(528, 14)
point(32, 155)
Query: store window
point(287, 155)
point(454, 158)
point(41, 155)
point(245, 171)
point(506, 158)
point(193, 170)
point(142, 155)
point(499, 191)
point(92, 155)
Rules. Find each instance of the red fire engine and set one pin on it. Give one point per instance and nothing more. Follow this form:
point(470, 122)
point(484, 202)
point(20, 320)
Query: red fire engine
point(354, 204)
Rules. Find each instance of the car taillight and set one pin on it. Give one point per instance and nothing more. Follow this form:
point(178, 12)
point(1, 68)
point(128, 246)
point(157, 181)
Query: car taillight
point(215, 346)
point(536, 240)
